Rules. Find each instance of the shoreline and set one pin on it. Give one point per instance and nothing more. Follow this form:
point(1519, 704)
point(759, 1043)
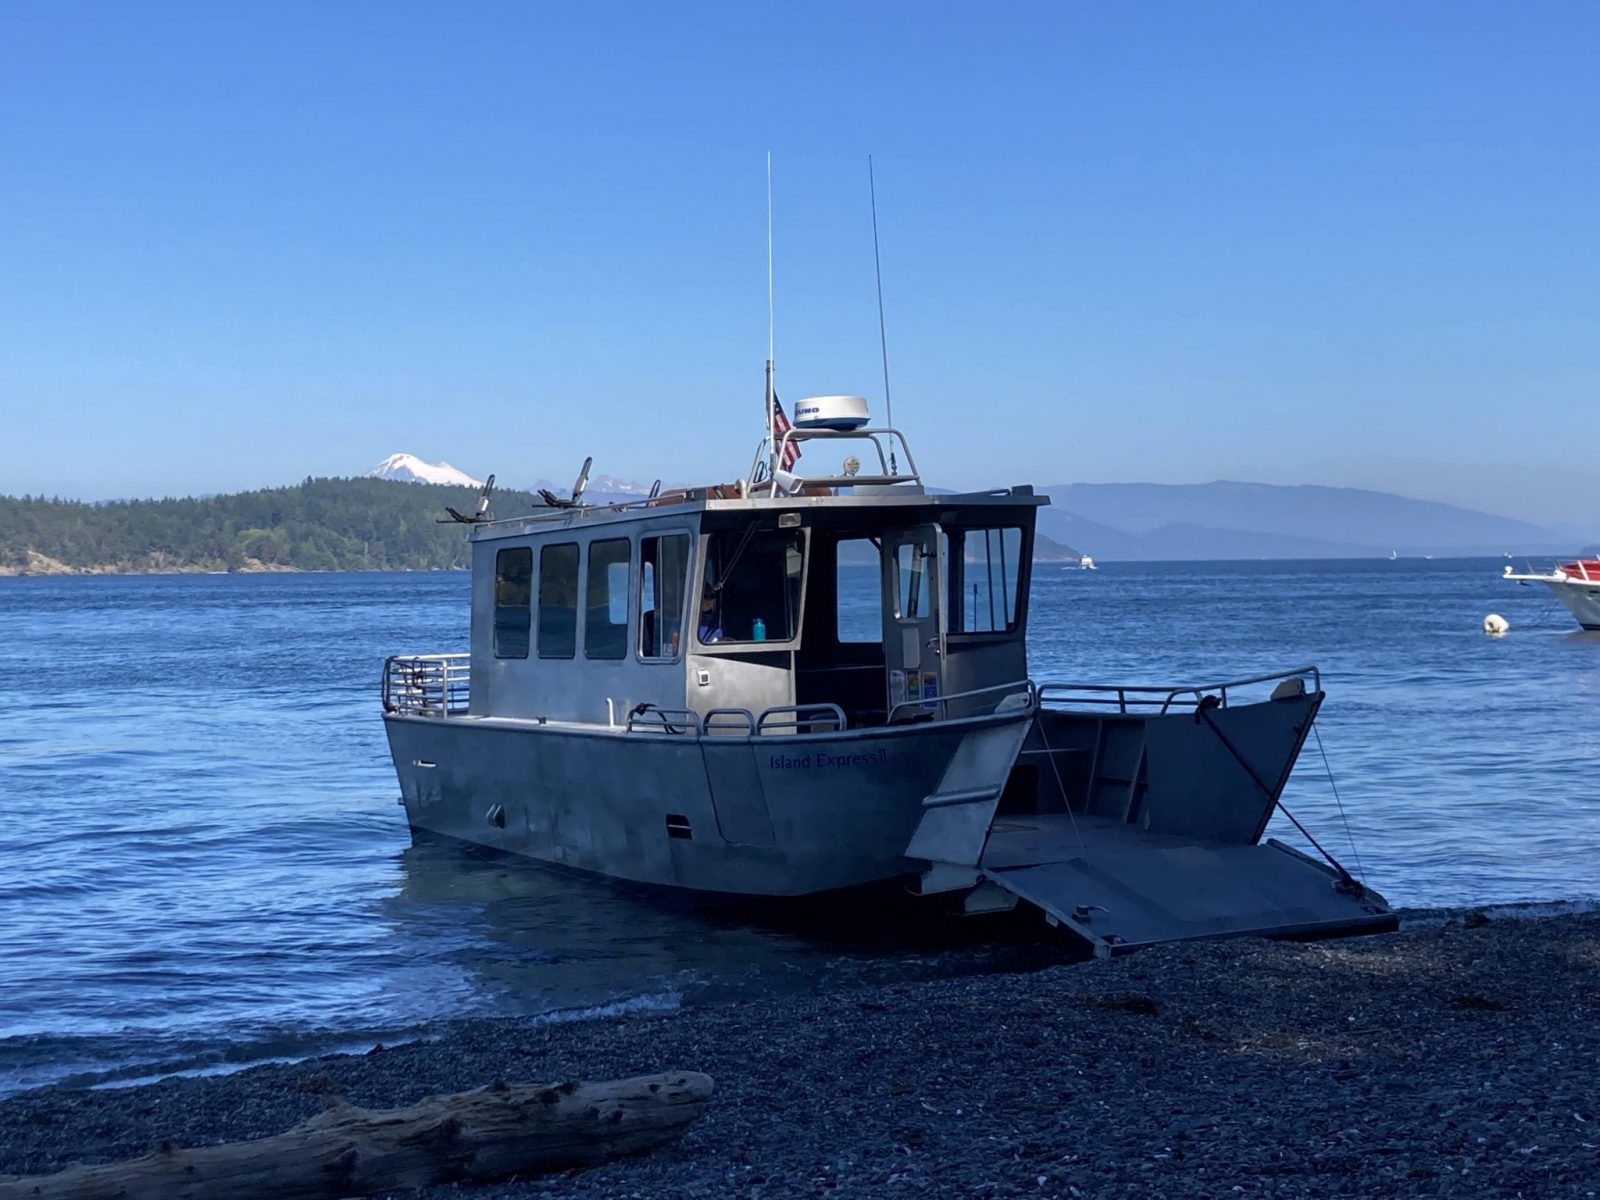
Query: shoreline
point(55, 568)
point(58, 570)
point(1453, 1055)
point(36, 564)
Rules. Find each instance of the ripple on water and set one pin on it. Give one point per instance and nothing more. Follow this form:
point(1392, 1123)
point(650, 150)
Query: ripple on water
point(205, 866)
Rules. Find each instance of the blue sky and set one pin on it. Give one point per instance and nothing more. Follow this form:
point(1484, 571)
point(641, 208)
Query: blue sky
point(1333, 243)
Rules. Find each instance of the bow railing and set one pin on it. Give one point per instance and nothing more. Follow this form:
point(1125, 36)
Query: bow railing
point(1129, 697)
point(427, 685)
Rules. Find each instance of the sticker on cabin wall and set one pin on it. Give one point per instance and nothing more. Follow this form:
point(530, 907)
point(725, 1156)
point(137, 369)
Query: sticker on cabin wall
point(897, 687)
point(930, 687)
point(913, 685)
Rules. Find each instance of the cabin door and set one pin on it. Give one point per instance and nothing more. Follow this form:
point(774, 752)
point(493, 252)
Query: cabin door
point(913, 619)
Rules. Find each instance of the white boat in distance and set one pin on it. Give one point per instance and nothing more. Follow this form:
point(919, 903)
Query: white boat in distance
point(1576, 584)
point(1087, 563)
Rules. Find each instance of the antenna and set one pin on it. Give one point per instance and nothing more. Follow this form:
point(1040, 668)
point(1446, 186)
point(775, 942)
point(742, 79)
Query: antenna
point(772, 450)
point(883, 336)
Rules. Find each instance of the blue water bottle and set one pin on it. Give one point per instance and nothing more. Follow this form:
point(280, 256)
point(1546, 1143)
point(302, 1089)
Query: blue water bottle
point(758, 630)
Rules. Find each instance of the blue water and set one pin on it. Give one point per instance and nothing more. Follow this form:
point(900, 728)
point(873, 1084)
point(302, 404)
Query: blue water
point(202, 862)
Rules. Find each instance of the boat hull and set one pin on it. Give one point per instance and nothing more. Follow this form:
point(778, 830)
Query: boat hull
point(1582, 598)
point(768, 816)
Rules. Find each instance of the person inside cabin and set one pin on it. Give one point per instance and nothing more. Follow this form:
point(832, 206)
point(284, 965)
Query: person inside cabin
point(710, 620)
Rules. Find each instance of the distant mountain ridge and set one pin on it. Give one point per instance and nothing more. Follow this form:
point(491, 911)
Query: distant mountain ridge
point(1228, 519)
point(408, 468)
point(601, 489)
point(370, 523)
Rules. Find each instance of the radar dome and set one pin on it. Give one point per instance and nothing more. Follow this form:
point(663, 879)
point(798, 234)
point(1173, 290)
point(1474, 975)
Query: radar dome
point(831, 412)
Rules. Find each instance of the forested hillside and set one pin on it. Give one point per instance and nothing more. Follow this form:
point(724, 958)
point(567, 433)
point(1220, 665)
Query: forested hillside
point(320, 525)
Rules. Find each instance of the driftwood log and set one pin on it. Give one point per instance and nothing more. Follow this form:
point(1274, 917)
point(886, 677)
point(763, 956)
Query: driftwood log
point(490, 1134)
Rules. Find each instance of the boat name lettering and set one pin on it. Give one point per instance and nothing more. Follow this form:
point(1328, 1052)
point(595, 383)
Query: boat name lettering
point(824, 760)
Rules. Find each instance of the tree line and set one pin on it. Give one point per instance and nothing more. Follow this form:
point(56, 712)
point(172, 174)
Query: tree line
point(319, 525)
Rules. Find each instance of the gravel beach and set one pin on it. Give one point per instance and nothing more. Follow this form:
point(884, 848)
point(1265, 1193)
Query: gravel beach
point(1454, 1058)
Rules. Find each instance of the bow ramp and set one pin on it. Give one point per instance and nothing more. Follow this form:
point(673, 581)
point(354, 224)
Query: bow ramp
point(1135, 829)
point(1120, 888)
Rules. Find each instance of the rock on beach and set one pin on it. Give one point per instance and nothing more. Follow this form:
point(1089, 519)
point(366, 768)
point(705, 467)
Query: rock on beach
point(1453, 1058)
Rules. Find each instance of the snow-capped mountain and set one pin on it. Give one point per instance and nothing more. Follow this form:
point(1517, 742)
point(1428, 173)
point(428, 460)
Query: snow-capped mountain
point(408, 468)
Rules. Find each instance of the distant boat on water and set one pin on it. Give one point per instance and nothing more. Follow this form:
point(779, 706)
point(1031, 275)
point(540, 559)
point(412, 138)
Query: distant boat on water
point(1576, 584)
point(1086, 563)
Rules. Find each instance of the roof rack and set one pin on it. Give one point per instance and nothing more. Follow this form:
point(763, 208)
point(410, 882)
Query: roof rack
point(770, 452)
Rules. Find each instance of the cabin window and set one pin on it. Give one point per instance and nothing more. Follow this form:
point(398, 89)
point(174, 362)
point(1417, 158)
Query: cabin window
point(911, 577)
point(513, 596)
point(605, 621)
point(663, 578)
point(750, 590)
point(858, 602)
point(985, 572)
point(558, 601)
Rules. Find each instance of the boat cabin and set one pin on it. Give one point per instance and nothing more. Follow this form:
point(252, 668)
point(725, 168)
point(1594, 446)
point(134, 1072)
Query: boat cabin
point(868, 594)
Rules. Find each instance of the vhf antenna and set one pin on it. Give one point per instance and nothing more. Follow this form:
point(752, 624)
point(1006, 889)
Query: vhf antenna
point(772, 446)
point(883, 337)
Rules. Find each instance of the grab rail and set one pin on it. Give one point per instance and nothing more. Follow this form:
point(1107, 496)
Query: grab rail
point(802, 714)
point(742, 722)
point(664, 720)
point(1127, 696)
point(427, 685)
point(939, 705)
point(715, 721)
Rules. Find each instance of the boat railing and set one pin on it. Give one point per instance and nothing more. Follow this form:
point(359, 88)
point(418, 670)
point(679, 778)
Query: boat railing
point(730, 722)
point(938, 707)
point(782, 718)
point(651, 719)
point(1160, 698)
point(807, 718)
point(427, 685)
point(883, 441)
point(1573, 571)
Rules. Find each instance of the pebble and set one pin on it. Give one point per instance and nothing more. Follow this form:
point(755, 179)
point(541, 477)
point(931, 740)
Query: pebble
point(1243, 1067)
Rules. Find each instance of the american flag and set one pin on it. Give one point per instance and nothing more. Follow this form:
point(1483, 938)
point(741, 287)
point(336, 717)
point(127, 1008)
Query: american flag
point(781, 426)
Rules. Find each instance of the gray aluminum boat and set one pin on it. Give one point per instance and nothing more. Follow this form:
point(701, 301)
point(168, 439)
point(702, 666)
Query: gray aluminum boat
point(686, 691)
